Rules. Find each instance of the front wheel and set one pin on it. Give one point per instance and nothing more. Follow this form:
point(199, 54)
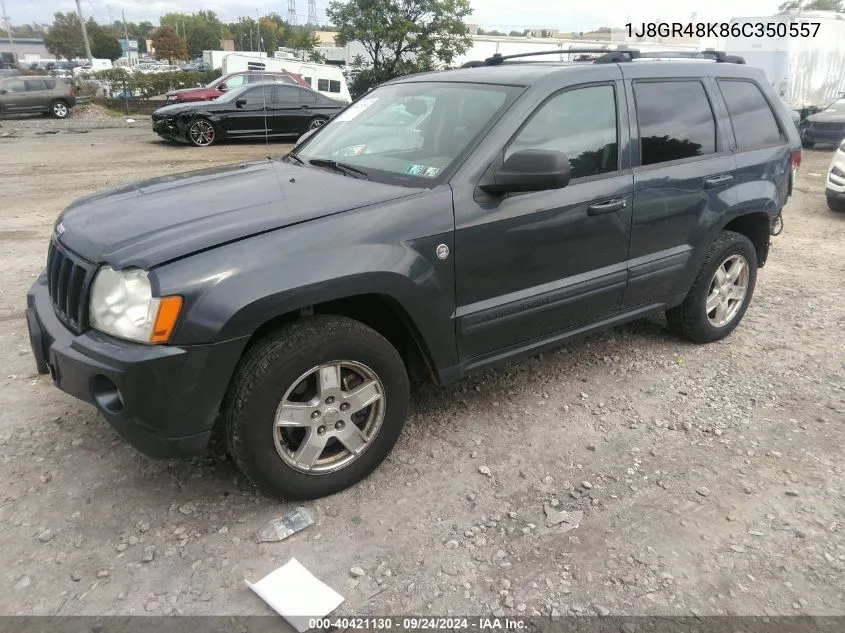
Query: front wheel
point(835, 204)
point(315, 407)
point(201, 133)
point(721, 292)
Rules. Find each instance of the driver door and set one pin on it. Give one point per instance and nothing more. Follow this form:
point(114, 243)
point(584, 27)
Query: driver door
point(531, 266)
point(248, 118)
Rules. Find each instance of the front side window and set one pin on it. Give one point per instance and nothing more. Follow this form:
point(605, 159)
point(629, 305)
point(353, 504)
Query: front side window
point(234, 82)
point(675, 120)
point(751, 117)
point(16, 85)
point(581, 123)
point(409, 133)
point(257, 96)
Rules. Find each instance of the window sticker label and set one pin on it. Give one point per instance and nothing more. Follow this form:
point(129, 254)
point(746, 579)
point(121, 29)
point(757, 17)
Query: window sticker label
point(431, 172)
point(416, 170)
point(355, 109)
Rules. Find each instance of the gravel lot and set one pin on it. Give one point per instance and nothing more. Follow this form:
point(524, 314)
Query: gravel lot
point(710, 478)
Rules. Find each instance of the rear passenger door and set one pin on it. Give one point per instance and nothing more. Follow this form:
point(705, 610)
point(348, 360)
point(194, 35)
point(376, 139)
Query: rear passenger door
point(683, 181)
point(290, 115)
point(763, 160)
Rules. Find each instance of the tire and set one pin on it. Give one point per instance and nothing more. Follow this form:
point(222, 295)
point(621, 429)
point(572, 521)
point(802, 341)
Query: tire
point(316, 122)
point(201, 132)
point(280, 365)
point(691, 319)
point(59, 109)
point(835, 205)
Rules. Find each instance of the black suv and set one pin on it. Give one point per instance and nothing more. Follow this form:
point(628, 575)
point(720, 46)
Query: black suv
point(441, 224)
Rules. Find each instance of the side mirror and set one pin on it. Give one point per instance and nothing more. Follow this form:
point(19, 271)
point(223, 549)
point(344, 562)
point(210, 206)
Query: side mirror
point(240, 103)
point(529, 170)
point(222, 88)
point(305, 136)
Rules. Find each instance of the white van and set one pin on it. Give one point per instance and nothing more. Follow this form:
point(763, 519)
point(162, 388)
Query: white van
point(324, 78)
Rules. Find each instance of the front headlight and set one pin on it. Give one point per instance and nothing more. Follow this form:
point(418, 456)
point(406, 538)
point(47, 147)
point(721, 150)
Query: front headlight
point(122, 304)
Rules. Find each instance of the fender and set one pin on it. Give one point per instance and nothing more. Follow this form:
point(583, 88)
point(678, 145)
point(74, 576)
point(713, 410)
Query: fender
point(388, 249)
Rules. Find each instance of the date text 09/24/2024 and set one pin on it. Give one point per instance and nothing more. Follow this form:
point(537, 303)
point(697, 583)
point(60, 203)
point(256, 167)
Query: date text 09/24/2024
point(419, 623)
point(723, 29)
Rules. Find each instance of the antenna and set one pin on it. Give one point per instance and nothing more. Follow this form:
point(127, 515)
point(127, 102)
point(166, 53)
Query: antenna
point(291, 11)
point(264, 79)
point(313, 20)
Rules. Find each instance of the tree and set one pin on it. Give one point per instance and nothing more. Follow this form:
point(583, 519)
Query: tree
point(168, 45)
point(402, 36)
point(103, 40)
point(201, 30)
point(64, 37)
point(515, 34)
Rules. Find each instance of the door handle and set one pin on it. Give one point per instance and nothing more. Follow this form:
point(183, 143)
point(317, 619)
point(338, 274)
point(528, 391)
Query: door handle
point(306, 107)
point(607, 206)
point(717, 181)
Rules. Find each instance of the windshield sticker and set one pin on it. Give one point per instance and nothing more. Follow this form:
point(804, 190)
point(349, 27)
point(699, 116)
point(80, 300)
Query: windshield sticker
point(355, 109)
point(431, 172)
point(416, 170)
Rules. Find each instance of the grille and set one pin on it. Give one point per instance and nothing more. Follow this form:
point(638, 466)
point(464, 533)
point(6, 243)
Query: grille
point(68, 279)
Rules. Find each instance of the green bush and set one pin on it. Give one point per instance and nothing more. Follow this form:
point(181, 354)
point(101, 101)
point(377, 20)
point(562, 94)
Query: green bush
point(147, 85)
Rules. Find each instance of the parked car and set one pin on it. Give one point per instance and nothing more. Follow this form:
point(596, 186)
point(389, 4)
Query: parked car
point(826, 126)
point(835, 189)
point(252, 111)
point(289, 300)
point(229, 82)
point(43, 95)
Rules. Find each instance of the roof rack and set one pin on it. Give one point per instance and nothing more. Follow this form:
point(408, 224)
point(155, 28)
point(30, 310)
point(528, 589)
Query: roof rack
point(607, 56)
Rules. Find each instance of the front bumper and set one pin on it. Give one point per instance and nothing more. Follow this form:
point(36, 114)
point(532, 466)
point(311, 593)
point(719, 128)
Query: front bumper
point(823, 136)
point(169, 128)
point(161, 399)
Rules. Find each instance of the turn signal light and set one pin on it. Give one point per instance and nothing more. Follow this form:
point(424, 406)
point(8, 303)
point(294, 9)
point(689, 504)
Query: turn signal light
point(168, 313)
point(796, 159)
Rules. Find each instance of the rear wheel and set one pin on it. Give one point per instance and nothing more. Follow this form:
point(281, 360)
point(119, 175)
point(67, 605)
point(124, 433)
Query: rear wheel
point(316, 122)
point(59, 109)
point(201, 133)
point(721, 292)
point(315, 407)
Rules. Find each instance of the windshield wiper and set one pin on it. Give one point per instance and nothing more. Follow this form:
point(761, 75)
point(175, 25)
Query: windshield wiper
point(295, 158)
point(344, 168)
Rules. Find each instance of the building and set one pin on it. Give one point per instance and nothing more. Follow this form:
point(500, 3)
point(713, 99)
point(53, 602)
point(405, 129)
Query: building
point(27, 50)
point(543, 33)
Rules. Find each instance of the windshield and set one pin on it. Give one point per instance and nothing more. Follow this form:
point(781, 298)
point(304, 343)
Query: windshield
point(837, 106)
point(408, 133)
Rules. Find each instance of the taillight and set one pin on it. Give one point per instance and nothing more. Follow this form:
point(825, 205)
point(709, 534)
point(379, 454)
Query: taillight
point(796, 159)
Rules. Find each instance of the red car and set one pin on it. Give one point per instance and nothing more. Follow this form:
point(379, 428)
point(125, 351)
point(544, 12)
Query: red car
point(229, 82)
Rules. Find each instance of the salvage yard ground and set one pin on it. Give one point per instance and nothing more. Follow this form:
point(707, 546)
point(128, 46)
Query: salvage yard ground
point(710, 477)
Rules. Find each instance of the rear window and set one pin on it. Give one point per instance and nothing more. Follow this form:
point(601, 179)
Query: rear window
point(752, 119)
point(675, 120)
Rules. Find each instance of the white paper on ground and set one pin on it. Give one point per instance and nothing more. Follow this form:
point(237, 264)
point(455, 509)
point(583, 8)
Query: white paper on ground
point(296, 594)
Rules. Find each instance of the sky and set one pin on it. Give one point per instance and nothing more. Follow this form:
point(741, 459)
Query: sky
point(570, 15)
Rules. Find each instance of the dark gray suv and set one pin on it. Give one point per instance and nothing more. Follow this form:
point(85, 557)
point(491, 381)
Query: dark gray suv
point(37, 95)
point(288, 302)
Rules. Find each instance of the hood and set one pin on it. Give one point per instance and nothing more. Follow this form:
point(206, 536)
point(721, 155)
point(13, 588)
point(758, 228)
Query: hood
point(827, 117)
point(189, 92)
point(151, 222)
point(176, 108)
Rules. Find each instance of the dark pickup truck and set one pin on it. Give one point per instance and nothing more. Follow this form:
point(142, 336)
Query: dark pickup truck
point(289, 302)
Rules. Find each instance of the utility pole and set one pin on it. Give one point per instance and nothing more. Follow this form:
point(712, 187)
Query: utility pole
point(84, 34)
point(9, 30)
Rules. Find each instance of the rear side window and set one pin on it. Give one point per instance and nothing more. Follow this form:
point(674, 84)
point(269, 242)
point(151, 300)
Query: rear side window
point(323, 85)
point(307, 96)
point(675, 121)
point(35, 84)
point(752, 119)
point(49, 84)
point(334, 86)
point(286, 95)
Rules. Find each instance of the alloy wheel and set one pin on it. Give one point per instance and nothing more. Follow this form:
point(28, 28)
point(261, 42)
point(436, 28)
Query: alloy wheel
point(201, 133)
point(727, 291)
point(60, 110)
point(329, 417)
